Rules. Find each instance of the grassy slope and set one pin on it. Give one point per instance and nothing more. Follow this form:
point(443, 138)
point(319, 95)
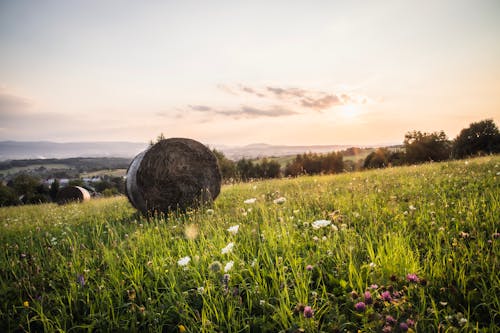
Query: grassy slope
point(100, 266)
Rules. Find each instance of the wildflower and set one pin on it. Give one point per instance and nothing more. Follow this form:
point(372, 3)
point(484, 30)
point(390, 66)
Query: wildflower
point(412, 207)
point(215, 266)
point(387, 329)
point(210, 212)
point(354, 294)
point(234, 229)
point(81, 280)
point(412, 278)
point(184, 261)
point(372, 265)
point(386, 296)
point(200, 290)
point(228, 248)
point(360, 306)
point(26, 304)
point(191, 231)
point(228, 266)
point(390, 320)
point(496, 235)
point(321, 223)
point(308, 312)
point(181, 328)
point(374, 286)
point(250, 201)
point(262, 302)
point(309, 267)
point(462, 321)
point(403, 327)
point(368, 297)
point(410, 322)
point(334, 227)
point(280, 200)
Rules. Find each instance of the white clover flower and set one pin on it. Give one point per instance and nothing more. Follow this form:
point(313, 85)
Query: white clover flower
point(250, 201)
point(184, 261)
point(228, 248)
point(234, 229)
point(228, 266)
point(320, 223)
point(280, 200)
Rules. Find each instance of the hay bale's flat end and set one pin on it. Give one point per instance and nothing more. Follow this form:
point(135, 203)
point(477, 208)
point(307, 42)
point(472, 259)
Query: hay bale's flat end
point(72, 194)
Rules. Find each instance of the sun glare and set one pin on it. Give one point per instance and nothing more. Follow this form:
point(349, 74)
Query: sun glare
point(350, 111)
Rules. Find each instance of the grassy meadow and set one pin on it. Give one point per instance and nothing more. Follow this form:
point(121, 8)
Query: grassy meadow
point(402, 249)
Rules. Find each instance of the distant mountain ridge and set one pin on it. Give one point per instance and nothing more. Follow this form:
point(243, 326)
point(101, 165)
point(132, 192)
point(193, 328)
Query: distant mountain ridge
point(15, 150)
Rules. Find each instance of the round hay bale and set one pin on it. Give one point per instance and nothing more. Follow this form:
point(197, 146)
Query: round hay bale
point(72, 194)
point(175, 173)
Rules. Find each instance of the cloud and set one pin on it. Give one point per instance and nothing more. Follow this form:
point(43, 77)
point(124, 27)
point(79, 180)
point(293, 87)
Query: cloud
point(247, 112)
point(321, 103)
point(306, 99)
point(11, 103)
point(200, 107)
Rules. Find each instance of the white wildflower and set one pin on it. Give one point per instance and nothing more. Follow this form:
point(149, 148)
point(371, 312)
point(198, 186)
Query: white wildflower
point(280, 200)
point(250, 201)
point(334, 227)
point(210, 212)
point(228, 266)
point(228, 248)
point(234, 229)
point(462, 321)
point(321, 223)
point(262, 302)
point(184, 261)
point(412, 207)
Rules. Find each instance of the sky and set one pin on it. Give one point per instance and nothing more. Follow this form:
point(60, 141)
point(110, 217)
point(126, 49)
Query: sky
point(241, 72)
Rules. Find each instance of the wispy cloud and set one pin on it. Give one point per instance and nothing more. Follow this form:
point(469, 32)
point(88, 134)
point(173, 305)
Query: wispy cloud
point(247, 112)
point(306, 99)
point(11, 103)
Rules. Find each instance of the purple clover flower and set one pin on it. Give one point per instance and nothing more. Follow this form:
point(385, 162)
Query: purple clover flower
point(390, 320)
point(410, 322)
point(360, 306)
point(412, 278)
point(386, 296)
point(81, 280)
point(368, 297)
point(403, 327)
point(309, 267)
point(308, 312)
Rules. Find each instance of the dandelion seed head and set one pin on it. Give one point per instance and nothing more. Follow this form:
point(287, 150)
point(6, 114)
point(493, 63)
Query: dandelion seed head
point(215, 266)
point(191, 231)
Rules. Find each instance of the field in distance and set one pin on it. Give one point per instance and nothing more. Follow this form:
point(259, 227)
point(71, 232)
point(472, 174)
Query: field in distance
point(401, 249)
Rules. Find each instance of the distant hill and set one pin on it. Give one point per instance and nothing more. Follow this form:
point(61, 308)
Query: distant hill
point(14, 150)
point(264, 150)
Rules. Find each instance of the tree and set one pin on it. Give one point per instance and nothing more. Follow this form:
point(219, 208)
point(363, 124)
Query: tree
point(226, 166)
point(7, 196)
point(54, 189)
point(377, 159)
point(479, 138)
point(425, 147)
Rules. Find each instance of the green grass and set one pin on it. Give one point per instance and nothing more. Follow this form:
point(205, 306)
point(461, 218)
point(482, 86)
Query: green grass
point(34, 167)
point(105, 172)
point(99, 266)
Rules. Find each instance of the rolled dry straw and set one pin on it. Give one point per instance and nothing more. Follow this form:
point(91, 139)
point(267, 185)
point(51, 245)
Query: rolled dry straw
point(175, 173)
point(72, 194)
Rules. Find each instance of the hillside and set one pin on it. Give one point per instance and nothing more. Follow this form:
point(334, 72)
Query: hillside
point(401, 249)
